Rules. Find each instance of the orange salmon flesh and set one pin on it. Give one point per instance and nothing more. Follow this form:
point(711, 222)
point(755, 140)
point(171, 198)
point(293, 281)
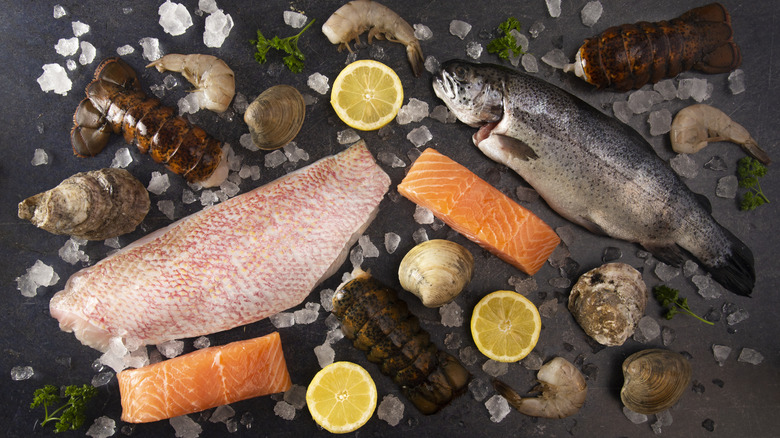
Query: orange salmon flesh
point(479, 211)
point(204, 379)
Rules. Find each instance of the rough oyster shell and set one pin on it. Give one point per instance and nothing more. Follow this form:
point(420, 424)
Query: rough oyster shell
point(654, 380)
point(608, 302)
point(436, 271)
point(275, 117)
point(94, 205)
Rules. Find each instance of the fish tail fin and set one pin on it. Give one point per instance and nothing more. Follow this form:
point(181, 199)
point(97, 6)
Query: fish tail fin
point(737, 273)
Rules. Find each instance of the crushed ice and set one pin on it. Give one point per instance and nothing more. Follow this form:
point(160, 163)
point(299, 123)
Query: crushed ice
point(318, 82)
point(175, 19)
point(414, 111)
point(217, 28)
point(391, 410)
point(55, 78)
point(460, 28)
point(497, 407)
point(451, 315)
point(296, 20)
point(591, 13)
point(22, 373)
point(419, 136)
point(103, 427)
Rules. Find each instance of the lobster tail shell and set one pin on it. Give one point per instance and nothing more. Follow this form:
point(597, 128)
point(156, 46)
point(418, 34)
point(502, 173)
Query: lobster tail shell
point(115, 102)
point(631, 55)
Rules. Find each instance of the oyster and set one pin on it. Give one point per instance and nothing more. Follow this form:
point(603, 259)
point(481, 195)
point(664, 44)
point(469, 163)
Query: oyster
point(94, 205)
point(436, 271)
point(654, 380)
point(608, 302)
point(275, 117)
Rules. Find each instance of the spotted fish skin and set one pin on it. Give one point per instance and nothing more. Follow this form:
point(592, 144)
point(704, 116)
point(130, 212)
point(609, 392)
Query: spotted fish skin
point(231, 264)
point(590, 168)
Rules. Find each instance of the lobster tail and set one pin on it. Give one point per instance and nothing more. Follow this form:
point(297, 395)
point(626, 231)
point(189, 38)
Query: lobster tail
point(115, 102)
point(629, 56)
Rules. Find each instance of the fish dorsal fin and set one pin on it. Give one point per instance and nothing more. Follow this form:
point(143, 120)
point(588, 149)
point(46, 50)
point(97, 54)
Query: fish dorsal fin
point(515, 147)
point(669, 254)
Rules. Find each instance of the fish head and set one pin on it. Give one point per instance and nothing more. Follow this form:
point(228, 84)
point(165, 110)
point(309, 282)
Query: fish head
point(473, 92)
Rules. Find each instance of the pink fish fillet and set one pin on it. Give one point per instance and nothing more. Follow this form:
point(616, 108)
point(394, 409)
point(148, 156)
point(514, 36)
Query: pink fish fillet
point(229, 265)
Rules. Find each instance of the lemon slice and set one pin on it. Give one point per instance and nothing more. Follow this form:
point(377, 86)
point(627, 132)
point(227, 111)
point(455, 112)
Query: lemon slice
point(341, 397)
point(505, 326)
point(367, 95)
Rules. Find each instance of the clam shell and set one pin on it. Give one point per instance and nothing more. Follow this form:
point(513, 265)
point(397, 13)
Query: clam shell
point(275, 117)
point(436, 271)
point(654, 380)
point(94, 205)
point(608, 302)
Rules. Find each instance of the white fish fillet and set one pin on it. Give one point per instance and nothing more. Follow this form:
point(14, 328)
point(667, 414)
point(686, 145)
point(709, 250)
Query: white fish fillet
point(232, 264)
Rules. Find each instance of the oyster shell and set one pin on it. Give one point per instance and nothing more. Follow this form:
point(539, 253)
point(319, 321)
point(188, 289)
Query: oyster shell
point(436, 271)
point(654, 380)
point(94, 205)
point(275, 117)
point(608, 302)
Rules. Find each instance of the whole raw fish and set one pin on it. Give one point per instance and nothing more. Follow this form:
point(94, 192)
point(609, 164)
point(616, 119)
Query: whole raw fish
point(590, 168)
point(232, 264)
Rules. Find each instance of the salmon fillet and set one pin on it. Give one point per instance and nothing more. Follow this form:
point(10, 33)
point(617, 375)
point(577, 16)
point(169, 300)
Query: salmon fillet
point(479, 211)
point(204, 379)
point(231, 264)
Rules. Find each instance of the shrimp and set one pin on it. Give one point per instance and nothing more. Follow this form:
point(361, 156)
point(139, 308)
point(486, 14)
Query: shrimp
point(563, 391)
point(212, 78)
point(695, 126)
point(357, 16)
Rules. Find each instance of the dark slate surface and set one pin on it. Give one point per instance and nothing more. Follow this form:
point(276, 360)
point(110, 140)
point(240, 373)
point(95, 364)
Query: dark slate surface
point(740, 399)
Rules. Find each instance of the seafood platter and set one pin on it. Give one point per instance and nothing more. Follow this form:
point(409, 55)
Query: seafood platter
point(212, 207)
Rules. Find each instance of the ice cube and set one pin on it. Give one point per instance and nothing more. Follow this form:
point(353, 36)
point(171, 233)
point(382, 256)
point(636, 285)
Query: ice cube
point(390, 159)
point(218, 27)
point(22, 372)
point(420, 236)
point(159, 183)
point(495, 368)
point(694, 88)
point(171, 349)
point(319, 83)
point(554, 8)
point(737, 81)
point(326, 299)
point(175, 19)
point(67, 46)
point(79, 28)
point(275, 159)
point(727, 187)
point(647, 330)
point(222, 414)
point(529, 63)
point(170, 82)
point(666, 272)
point(721, 353)
point(474, 49)
point(325, 354)
point(246, 141)
point(59, 11)
point(555, 58)
point(356, 257)
point(668, 335)
point(296, 20)
point(282, 319)
point(640, 101)
point(459, 28)
point(634, 417)
point(689, 268)
point(189, 104)
point(414, 111)
point(294, 153)
point(419, 136)
point(685, 166)
point(523, 285)
point(660, 121)
point(392, 240)
point(549, 308)
point(751, 356)
point(284, 410)
point(622, 111)
point(103, 427)
point(207, 6)
point(468, 355)
point(88, 53)
point(151, 48)
point(707, 287)
point(102, 379)
point(347, 136)
point(559, 282)
point(591, 13)
point(185, 427)
point(307, 315)
point(54, 78)
point(716, 164)
point(737, 317)
point(40, 157)
point(497, 407)
point(377, 52)
point(479, 389)
point(422, 32)
point(666, 89)
point(432, 64)
point(167, 208)
point(451, 315)
point(125, 50)
point(369, 249)
point(247, 419)
point(443, 114)
point(71, 251)
point(423, 215)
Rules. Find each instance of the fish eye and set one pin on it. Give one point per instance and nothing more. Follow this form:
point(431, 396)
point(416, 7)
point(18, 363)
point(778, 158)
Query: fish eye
point(459, 73)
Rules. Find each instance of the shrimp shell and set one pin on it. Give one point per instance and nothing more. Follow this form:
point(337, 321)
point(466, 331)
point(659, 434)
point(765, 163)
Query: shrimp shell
point(357, 16)
point(631, 55)
point(379, 323)
point(695, 126)
point(563, 391)
point(214, 81)
point(116, 103)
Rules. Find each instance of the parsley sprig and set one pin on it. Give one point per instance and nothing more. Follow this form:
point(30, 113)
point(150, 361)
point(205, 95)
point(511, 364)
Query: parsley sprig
point(670, 298)
point(69, 416)
point(749, 170)
point(503, 45)
point(293, 60)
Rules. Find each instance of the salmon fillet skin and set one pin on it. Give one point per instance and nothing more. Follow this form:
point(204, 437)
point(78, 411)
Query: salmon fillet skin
point(479, 211)
point(204, 379)
point(230, 264)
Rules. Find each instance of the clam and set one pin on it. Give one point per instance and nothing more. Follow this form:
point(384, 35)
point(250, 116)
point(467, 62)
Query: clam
point(94, 205)
point(275, 117)
point(654, 380)
point(608, 302)
point(436, 271)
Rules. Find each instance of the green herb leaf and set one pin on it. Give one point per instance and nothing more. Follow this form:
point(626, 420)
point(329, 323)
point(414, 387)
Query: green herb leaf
point(293, 60)
point(505, 45)
point(749, 170)
point(670, 298)
point(69, 416)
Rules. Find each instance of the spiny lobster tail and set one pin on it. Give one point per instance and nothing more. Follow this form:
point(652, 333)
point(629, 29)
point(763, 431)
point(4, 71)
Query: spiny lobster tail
point(629, 56)
point(115, 102)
